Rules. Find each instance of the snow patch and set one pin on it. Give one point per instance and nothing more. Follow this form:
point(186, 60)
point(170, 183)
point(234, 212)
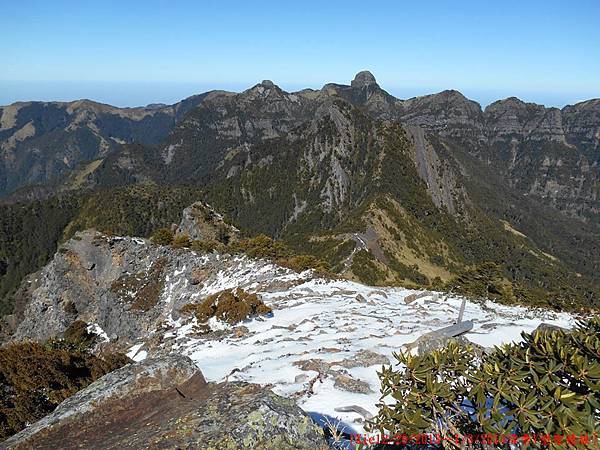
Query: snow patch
point(333, 321)
point(98, 331)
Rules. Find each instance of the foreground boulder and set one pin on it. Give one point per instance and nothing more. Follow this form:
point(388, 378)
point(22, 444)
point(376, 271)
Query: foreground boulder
point(166, 403)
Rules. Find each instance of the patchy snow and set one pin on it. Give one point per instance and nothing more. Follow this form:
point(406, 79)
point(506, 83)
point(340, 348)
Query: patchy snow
point(98, 331)
point(216, 324)
point(140, 356)
point(136, 354)
point(333, 322)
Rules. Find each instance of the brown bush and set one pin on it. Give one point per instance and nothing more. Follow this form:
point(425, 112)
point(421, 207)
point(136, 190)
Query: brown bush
point(181, 241)
point(260, 247)
point(207, 246)
point(231, 306)
point(300, 263)
point(162, 236)
point(78, 334)
point(36, 377)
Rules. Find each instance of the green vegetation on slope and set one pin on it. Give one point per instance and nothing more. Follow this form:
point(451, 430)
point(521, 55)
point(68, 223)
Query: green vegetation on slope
point(486, 259)
point(28, 236)
point(548, 384)
point(30, 232)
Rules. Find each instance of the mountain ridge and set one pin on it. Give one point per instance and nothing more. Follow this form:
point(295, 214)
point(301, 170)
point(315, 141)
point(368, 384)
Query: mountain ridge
point(431, 191)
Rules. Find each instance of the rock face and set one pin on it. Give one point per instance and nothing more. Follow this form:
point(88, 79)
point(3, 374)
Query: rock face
point(547, 152)
point(364, 78)
point(125, 288)
point(166, 403)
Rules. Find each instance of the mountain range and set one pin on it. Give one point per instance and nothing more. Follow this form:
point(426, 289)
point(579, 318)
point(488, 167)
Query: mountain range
point(501, 202)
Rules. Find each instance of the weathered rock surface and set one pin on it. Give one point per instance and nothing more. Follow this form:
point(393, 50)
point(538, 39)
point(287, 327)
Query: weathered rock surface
point(548, 327)
point(166, 403)
point(437, 339)
point(127, 288)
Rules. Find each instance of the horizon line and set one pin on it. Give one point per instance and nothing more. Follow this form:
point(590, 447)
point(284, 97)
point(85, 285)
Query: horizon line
point(289, 87)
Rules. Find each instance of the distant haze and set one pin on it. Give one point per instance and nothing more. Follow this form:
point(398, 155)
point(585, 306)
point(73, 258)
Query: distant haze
point(130, 93)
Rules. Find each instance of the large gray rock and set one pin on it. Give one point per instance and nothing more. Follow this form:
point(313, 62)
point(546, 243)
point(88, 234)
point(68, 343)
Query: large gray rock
point(438, 339)
point(548, 327)
point(166, 403)
point(438, 342)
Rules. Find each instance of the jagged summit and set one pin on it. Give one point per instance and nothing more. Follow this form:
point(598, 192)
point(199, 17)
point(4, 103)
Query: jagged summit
point(265, 88)
point(364, 78)
point(267, 83)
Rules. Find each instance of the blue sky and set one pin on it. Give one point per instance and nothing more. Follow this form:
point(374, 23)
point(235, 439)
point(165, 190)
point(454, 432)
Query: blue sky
point(137, 52)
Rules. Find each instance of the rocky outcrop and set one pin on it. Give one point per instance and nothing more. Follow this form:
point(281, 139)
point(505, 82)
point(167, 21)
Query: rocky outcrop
point(364, 78)
point(201, 222)
point(547, 153)
point(441, 179)
point(166, 402)
point(125, 288)
point(513, 118)
point(448, 113)
point(581, 123)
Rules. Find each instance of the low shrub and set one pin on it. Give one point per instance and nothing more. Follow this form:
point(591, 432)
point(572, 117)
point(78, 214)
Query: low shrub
point(231, 306)
point(181, 241)
point(162, 236)
point(208, 246)
point(260, 247)
point(300, 263)
point(77, 334)
point(547, 384)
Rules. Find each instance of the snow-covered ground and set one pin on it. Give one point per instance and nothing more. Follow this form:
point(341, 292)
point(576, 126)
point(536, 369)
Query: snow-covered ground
point(328, 338)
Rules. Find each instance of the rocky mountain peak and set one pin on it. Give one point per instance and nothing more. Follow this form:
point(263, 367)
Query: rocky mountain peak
point(511, 104)
point(364, 78)
point(264, 89)
point(267, 83)
point(452, 95)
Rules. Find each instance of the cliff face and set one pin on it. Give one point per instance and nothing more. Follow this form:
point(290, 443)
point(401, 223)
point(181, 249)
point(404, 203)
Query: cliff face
point(548, 153)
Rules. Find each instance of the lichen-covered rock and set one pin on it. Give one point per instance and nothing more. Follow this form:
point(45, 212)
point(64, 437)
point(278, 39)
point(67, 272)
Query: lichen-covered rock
point(166, 403)
point(364, 358)
point(438, 342)
point(241, 415)
point(350, 384)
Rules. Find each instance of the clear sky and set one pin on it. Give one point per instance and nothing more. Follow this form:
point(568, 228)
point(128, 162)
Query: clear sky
point(138, 52)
